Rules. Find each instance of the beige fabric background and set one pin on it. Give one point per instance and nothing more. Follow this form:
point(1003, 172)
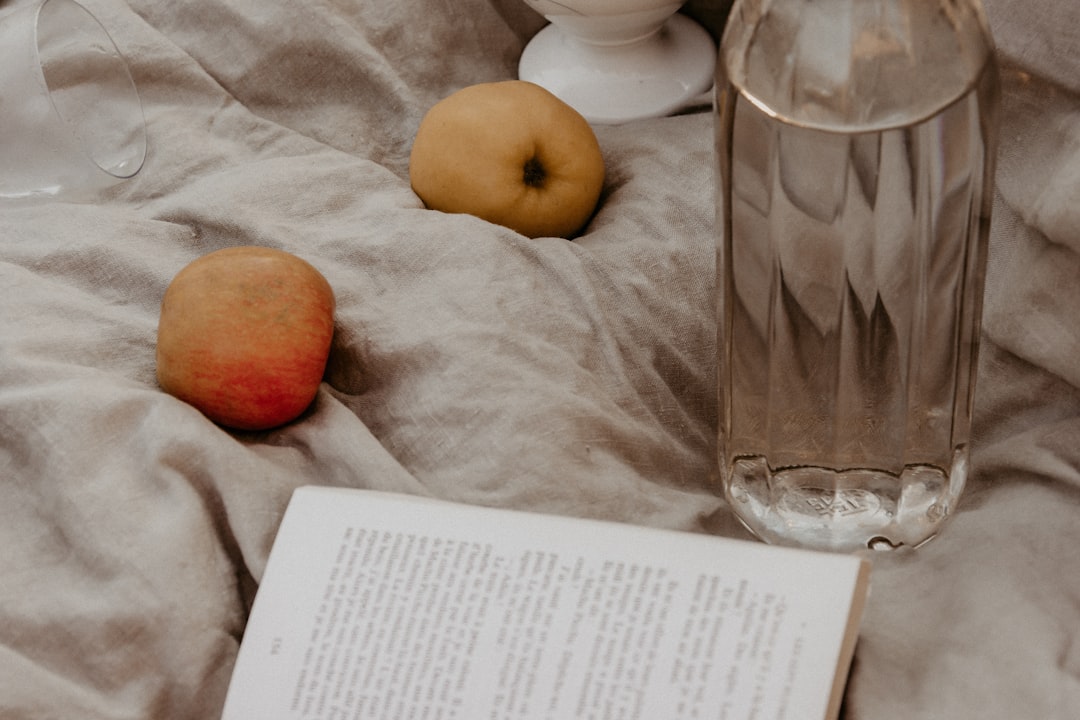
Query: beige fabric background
point(473, 364)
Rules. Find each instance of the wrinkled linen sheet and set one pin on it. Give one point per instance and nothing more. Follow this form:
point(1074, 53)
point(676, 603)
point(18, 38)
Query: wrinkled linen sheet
point(473, 364)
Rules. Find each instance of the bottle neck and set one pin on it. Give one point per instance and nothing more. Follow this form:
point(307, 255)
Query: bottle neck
point(855, 63)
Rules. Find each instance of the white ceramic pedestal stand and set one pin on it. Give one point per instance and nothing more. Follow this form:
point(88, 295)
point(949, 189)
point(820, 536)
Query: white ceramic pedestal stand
point(611, 81)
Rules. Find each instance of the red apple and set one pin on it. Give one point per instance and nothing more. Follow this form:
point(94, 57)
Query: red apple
point(244, 336)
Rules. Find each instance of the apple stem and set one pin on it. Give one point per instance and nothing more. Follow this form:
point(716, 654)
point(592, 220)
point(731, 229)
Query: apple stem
point(535, 173)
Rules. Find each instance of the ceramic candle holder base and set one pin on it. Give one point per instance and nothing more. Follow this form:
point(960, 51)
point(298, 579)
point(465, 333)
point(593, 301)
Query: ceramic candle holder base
point(609, 78)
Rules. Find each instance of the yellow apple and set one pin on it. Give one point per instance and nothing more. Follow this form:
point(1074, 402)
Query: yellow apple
point(244, 336)
point(511, 153)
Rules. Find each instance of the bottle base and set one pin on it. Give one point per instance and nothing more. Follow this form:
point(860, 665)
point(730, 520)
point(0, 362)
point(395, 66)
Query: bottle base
point(843, 511)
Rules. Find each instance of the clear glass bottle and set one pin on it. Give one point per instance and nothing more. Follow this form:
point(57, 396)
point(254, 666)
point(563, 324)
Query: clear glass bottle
point(856, 143)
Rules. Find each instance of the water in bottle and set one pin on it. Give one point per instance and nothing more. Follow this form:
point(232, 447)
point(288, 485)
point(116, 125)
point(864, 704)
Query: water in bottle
point(856, 143)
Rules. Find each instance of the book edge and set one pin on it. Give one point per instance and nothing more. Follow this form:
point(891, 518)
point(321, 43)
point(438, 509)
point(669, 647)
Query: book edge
point(860, 594)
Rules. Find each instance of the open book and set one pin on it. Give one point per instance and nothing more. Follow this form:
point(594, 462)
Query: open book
point(382, 606)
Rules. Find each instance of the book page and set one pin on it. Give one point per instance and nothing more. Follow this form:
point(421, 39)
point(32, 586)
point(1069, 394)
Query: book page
point(382, 606)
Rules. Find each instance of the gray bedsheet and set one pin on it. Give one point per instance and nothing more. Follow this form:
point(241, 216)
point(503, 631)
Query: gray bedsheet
point(473, 364)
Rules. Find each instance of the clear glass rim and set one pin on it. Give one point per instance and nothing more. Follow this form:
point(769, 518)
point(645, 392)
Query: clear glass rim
point(138, 143)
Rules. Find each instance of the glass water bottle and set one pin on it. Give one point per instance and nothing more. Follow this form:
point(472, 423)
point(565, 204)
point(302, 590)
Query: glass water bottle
point(856, 143)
